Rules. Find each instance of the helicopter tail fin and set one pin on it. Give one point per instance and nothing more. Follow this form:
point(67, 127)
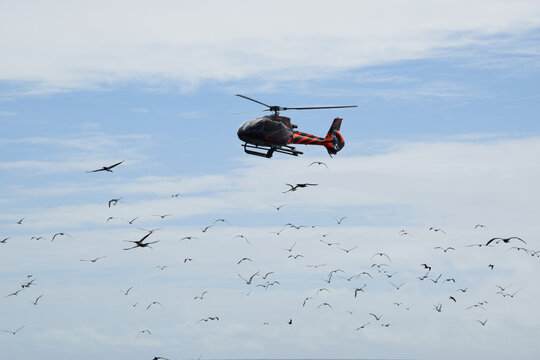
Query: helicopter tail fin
point(333, 142)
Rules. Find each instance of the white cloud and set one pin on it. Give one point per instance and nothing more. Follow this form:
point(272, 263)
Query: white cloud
point(67, 45)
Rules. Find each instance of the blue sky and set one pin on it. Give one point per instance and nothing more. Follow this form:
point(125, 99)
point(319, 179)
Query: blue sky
point(446, 135)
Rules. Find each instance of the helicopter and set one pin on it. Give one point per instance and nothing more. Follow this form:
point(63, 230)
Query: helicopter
point(275, 133)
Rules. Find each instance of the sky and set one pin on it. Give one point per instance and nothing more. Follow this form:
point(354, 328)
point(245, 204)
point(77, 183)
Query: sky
point(441, 155)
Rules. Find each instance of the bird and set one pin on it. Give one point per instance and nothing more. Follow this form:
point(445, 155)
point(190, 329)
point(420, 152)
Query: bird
point(503, 288)
point(106, 168)
point(159, 358)
point(189, 238)
point(348, 250)
point(316, 266)
point(426, 266)
point(452, 298)
point(479, 226)
point(325, 304)
point(128, 290)
point(436, 230)
point(95, 259)
point(19, 221)
point(131, 221)
point(295, 256)
point(144, 331)
point(491, 266)
point(329, 243)
point(318, 163)
point(206, 228)
point(162, 267)
point(250, 279)
point(3, 241)
point(28, 284)
point(505, 240)
point(201, 296)
point(438, 307)
point(359, 289)
point(113, 202)
point(140, 243)
point(445, 250)
point(376, 317)
point(289, 322)
point(209, 318)
point(362, 326)
point(437, 279)
point(154, 303)
point(290, 249)
point(277, 207)
point(244, 259)
point(277, 232)
point(35, 238)
point(242, 237)
point(37, 299)
point(175, 195)
point(221, 220)
point(305, 300)
point(381, 254)
point(187, 259)
point(396, 286)
point(340, 220)
point(13, 332)
point(483, 322)
point(110, 218)
point(60, 234)
point(475, 306)
point(268, 273)
point(14, 293)
point(295, 187)
point(162, 216)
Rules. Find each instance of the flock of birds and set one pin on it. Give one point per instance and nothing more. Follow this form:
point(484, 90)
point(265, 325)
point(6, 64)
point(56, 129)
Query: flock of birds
point(376, 272)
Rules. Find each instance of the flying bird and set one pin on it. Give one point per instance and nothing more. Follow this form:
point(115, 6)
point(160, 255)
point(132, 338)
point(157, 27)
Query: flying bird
point(250, 279)
point(318, 163)
point(436, 230)
point(340, 220)
point(13, 332)
point(107, 168)
point(376, 317)
point(153, 303)
point(60, 234)
point(19, 221)
point(277, 207)
point(505, 240)
point(325, 304)
point(200, 297)
point(244, 259)
point(396, 286)
point(113, 202)
point(445, 250)
point(362, 326)
point(295, 187)
point(483, 322)
point(37, 299)
point(381, 254)
point(95, 259)
point(242, 237)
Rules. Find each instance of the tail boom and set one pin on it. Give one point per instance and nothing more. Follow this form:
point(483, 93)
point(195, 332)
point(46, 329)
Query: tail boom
point(333, 141)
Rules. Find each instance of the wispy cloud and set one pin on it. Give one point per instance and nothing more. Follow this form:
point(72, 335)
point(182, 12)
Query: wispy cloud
point(332, 38)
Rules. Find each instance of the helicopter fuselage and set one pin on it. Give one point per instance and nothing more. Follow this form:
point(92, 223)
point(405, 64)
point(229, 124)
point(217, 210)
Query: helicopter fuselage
point(269, 130)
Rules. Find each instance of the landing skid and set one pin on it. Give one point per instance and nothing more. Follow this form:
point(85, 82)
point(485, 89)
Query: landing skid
point(285, 149)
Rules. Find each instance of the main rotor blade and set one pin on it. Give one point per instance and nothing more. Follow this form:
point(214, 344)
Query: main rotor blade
point(248, 98)
point(318, 107)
